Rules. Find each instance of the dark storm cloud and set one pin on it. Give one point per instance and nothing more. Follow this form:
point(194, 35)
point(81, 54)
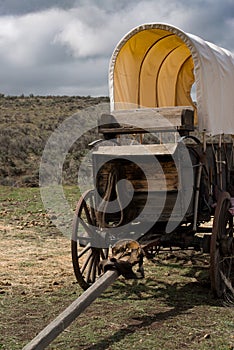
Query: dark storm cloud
point(19, 7)
point(212, 20)
point(60, 79)
point(63, 47)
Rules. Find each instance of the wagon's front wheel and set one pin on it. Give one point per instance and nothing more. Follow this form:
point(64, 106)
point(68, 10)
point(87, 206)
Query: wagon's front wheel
point(222, 249)
point(85, 256)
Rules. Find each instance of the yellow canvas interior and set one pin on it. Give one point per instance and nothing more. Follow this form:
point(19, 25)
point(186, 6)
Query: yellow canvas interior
point(154, 68)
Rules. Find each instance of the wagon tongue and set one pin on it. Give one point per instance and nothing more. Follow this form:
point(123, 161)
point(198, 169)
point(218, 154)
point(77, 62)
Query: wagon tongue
point(125, 255)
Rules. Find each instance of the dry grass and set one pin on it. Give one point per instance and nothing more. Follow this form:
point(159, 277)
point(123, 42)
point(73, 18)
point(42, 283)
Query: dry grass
point(26, 124)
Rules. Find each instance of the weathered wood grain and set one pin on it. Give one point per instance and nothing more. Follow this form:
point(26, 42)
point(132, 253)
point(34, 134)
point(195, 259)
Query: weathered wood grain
point(147, 120)
point(143, 176)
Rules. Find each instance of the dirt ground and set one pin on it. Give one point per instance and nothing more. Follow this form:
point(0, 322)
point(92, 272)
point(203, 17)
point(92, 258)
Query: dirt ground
point(37, 283)
point(32, 268)
point(33, 264)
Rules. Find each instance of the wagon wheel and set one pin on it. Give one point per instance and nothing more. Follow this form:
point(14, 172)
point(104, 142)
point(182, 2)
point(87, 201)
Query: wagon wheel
point(221, 248)
point(85, 257)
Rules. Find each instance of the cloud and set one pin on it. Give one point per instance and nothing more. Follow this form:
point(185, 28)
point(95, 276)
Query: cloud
point(64, 47)
point(29, 40)
point(16, 7)
point(86, 36)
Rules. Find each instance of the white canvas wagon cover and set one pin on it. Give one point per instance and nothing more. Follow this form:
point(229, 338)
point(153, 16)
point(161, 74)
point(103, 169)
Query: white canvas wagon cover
point(156, 65)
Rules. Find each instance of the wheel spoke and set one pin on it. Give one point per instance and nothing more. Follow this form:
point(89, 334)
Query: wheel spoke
point(227, 282)
point(94, 269)
point(87, 213)
point(221, 267)
point(89, 269)
point(104, 253)
point(86, 258)
point(86, 262)
point(93, 216)
point(86, 227)
point(86, 248)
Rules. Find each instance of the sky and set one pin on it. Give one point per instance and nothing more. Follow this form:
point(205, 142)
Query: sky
point(63, 47)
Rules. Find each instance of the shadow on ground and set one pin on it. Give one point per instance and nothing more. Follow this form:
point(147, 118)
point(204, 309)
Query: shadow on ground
point(177, 298)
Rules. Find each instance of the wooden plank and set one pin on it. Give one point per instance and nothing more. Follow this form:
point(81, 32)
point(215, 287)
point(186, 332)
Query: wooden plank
point(161, 176)
point(133, 170)
point(57, 326)
point(142, 185)
point(147, 120)
point(137, 150)
point(160, 204)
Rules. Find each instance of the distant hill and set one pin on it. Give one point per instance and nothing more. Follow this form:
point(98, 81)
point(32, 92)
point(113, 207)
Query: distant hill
point(26, 124)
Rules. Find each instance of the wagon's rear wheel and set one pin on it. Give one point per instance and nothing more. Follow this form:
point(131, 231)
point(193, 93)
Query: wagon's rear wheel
point(85, 257)
point(222, 249)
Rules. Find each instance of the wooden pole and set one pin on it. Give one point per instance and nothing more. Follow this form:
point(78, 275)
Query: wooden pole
point(57, 326)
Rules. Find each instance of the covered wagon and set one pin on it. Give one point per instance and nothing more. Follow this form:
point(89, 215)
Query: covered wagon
point(163, 171)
